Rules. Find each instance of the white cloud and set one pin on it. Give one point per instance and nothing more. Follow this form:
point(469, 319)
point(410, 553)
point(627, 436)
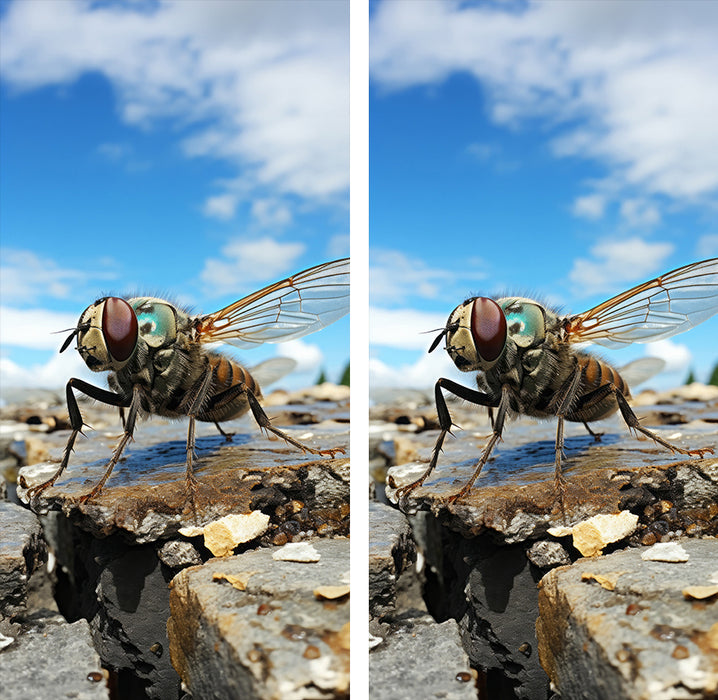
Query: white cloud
point(639, 212)
point(633, 88)
point(52, 374)
point(421, 374)
point(338, 246)
point(618, 263)
point(35, 328)
point(591, 206)
point(393, 276)
point(308, 356)
point(221, 206)
point(707, 246)
point(26, 276)
point(245, 262)
point(677, 357)
point(122, 154)
point(264, 86)
point(408, 329)
point(271, 213)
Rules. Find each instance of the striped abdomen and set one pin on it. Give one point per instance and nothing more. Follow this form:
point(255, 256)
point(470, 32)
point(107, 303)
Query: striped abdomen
point(596, 373)
point(227, 373)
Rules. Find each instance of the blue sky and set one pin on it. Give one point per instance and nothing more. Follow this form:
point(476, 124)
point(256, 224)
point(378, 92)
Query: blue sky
point(197, 151)
point(559, 150)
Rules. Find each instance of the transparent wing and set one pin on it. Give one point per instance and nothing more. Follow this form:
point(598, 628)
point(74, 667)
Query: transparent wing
point(291, 308)
point(660, 308)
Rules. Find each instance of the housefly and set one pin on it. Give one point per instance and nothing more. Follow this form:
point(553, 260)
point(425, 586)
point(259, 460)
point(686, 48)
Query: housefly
point(527, 362)
point(160, 362)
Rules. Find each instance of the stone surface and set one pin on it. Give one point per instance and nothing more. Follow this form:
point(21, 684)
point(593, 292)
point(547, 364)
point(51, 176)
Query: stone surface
point(421, 659)
point(122, 590)
point(145, 497)
point(643, 640)
point(484, 555)
point(392, 551)
point(514, 496)
point(270, 637)
point(176, 554)
point(490, 589)
point(51, 658)
point(545, 554)
point(22, 550)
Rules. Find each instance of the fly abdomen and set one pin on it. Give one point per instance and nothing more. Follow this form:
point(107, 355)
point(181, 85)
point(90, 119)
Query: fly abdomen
point(223, 405)
point(593, 404)
point(227, 373)
point(596, 373)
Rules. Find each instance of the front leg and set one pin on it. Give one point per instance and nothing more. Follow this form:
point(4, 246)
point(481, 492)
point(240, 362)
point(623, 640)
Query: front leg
point(445, 423)
point(129, 428)
point(77, 423)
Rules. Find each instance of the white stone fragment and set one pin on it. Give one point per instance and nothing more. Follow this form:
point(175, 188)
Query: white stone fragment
point(223, 535)
point(297, 551)
point(592, 535)
point(665, 551)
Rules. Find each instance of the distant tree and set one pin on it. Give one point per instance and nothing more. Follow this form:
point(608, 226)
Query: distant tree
point(691, 378)
point(322, 377)
point(344, 381)
point(714, 376)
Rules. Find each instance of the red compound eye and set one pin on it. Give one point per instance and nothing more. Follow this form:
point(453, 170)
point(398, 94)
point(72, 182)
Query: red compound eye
point(119, 326)
point(488, 328)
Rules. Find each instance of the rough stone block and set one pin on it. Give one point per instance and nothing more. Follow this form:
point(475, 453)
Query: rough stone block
point(254, 627)
point(421, 659)
point(620, 627)
point(51, 658)
point(391, 551)
point(22, 550)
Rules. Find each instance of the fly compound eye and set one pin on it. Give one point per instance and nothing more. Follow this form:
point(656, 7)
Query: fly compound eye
point(488, 328)
point(119, 328)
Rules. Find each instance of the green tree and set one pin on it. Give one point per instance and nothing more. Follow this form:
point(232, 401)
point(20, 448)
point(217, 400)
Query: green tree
point(691, 378)
point(322, 377)
point(344, 381)
point(714, 376)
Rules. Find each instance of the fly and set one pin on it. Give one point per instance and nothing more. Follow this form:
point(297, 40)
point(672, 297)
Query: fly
point(159, 362)
point(526, 361)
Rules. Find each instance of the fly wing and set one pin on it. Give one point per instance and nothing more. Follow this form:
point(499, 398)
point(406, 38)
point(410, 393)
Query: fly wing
point(641, 370)
point(291, 308)
point(660, 308)
point(272, 370)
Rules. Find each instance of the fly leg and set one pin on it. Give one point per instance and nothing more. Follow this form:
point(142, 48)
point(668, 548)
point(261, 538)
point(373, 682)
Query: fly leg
point(192, 404)
point(228, 395)
point(445, 423)
point(560, 405)
point(129, 426)
point(498, 427)
point(632, 422)
point(77, 424)
point(596, 436)
point(227, 436)
point(263, 422)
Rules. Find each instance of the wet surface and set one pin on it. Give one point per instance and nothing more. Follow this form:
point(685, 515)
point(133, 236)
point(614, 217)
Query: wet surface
point(515, 493)
point(146, 496)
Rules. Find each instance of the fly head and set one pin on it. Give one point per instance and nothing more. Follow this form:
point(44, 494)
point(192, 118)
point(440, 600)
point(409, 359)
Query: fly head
point(106, 334)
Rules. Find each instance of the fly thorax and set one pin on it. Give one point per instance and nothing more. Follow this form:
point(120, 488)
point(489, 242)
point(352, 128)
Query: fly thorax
point(162, 360)
point(531, 360)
